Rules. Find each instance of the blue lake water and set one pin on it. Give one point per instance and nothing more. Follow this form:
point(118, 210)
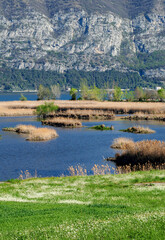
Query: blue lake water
point(73, 147)
point(29, 96)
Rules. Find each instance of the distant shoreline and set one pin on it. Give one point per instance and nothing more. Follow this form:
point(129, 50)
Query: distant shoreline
point(23, 91)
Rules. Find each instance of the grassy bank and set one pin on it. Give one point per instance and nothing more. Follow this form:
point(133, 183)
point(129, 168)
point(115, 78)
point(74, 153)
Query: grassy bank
point(128, 206)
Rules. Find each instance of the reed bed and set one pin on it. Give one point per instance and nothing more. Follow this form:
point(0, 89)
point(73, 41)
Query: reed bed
point(122, 143)
point(34, 134)
point(115, 107)
point(142, 116)
point(138, 130)
point(105, 169)
point(42, 134)
point(143, 152)
point(86, 114)
point(62, 122)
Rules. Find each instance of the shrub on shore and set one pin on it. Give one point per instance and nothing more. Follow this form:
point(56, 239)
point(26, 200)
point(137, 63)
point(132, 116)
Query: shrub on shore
point(46, 109)
point(138, 130)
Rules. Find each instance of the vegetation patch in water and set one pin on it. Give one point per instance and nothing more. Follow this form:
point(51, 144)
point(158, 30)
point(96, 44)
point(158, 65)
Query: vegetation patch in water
point(150, 152)
point(122, 143)
point(138, 130)
point(102, 127)
point(62, 122)
point(34, 134)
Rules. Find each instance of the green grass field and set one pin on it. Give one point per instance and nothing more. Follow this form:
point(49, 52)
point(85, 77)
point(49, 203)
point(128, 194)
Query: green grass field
point(128, 206)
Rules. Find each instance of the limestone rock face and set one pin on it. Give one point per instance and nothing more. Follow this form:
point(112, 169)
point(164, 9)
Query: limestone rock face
point(60, 35)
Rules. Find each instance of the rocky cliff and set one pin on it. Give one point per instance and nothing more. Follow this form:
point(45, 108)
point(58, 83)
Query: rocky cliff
point(88, 35)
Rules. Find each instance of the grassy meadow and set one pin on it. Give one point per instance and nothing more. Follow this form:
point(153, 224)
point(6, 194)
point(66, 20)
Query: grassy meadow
point(123, 206)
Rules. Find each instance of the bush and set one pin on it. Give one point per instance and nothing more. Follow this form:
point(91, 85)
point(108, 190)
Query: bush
point(45, 109)
point(23, 98)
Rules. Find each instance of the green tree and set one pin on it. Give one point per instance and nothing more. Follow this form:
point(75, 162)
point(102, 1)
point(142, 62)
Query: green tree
point(92, 93)
point(73, 93)
point(118, 94)
point(23, 98)
point(129, 96)
point(161, 93)
point(84, 89)
point(43, 93)
point(46, 109)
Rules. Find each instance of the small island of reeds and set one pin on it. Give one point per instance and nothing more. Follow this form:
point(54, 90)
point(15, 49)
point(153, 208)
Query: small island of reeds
point(62, 122)
point(33, 133)
point(122, 143)
point(102, 127)
point(138, 130)
point(137, 154)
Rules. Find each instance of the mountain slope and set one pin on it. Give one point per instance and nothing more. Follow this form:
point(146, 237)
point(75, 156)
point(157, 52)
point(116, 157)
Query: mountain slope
point(84, 35)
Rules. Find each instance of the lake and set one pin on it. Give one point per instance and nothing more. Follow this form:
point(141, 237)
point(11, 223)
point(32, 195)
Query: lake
point(73, 147)
point(30, 96)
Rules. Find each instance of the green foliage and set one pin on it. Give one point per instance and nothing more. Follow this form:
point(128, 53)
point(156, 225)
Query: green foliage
point(92, 93)
point(118, 94)
point(22, 79)
point(129, 96)
point(45, 109)
point(102, 127)
point(43, 93)
point(73, 93)
point(161, 93)
point(23, 98)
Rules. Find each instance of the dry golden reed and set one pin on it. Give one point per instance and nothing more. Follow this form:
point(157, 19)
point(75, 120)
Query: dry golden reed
point(107, 169)
point(122, 143)
point(143, 116)
point(146, 151)
point(139, 130)
point(62, 122)
point(34, 134)
point(18, 108)
point(42, 134)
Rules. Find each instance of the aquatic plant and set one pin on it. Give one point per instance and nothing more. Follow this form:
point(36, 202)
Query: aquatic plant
point(34, 134)
point(62, 122)
point(102, 127)
point(138, 130)
point(143, 152)
point(122, 143)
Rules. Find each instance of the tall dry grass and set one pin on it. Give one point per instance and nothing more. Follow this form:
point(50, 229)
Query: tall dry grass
point(115, 107)
point(142, 116)
point(107, 169)
point(62, 122)
point(122, 143)
point(85, 114)
point(139, 130)
point(143, 152)
point(34, 134)
point(42, 134)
